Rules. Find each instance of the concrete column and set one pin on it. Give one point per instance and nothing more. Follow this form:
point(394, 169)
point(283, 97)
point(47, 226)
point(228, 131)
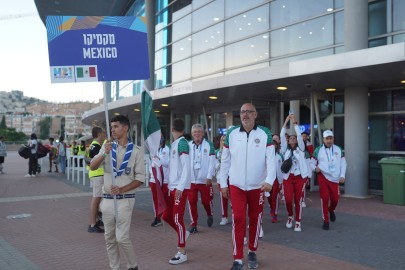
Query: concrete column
point(356, 24)
point(356, 141)
point(150, 26)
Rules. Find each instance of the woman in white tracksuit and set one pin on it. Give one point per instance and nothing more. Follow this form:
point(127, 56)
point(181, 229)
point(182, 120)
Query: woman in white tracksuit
point(294, 180)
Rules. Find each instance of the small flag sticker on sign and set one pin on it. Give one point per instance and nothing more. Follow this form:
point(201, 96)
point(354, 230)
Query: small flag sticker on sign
point(86, 74)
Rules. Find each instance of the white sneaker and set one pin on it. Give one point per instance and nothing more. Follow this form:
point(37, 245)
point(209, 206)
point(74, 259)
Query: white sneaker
point(33, 175)
point(303, 204)
point(178, 258)
point(289, 223)
point(224, 221)
point(27, 175)
point(261, 234)
point(245, 241)
point(297, 227)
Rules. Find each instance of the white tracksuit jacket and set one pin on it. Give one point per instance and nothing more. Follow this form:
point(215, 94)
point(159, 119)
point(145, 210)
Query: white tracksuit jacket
point(205, 153)
point(248, 159)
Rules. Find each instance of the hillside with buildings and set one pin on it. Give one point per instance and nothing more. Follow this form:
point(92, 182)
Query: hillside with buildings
point(26, 113)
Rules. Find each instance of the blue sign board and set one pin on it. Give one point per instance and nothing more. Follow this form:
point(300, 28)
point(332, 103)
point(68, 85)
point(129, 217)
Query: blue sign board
point(97, 48)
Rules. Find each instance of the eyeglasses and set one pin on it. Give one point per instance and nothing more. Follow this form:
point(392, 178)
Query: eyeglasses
point(246, 111)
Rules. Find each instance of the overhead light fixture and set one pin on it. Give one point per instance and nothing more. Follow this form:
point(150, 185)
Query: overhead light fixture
point(116, 113)
point(213, 97)
point(165, 105)
point(157, 111)
point(137, 110)
point(403, 81)
point(281, 88)
point(330, 89)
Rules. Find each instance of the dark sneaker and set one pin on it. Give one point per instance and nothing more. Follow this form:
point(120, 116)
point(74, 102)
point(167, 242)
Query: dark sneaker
point(237, 266)
point(325, 226)
point(193, 230)
point(95, 229)
point(332, 216)
point(210, 220)
point(178, 258)
point(100, 223)
point(156, 222)
point(252, 260)
point(133, 268)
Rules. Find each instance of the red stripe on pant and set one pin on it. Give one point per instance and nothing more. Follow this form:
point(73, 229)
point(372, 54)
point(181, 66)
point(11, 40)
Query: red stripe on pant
point(207, 196)
point(224, 203)
point(252, 201)
point(329, 193)
point(154, 196)
point(294, 190)
point(174, 214)
point(274, 197)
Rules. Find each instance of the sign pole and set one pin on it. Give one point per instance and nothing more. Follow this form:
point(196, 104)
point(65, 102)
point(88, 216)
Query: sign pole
point(107, 124)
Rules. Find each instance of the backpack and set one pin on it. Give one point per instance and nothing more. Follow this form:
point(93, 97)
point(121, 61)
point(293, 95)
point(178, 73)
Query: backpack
point(24, 151)
point(42, 151)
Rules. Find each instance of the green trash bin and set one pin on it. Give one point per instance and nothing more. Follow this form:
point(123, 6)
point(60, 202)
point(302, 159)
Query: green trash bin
point(393, 171)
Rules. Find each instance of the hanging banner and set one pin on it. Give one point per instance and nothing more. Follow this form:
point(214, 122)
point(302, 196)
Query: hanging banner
point(97, 48)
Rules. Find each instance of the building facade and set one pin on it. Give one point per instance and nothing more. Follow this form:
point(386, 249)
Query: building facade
point(338, 64)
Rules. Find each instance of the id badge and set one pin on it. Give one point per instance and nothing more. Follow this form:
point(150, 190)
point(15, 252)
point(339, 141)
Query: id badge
point(127, 170)
point(332, 167)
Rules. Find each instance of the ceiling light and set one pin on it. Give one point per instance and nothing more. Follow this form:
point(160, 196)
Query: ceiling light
point(330, 89)
point(213, 97)
point(216, 19)
point(281, 88)
point(156, 111)
point(137, 110)
point(164, 105)
point(264, 36)
point(116, 113)
point(403, 81)
point(329, 9)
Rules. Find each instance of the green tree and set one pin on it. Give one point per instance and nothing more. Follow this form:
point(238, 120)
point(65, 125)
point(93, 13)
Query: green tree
point(44, 127)
point(13, 136)
point(3, 123)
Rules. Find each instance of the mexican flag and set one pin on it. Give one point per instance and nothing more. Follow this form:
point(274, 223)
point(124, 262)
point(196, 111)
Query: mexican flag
point(152, 134)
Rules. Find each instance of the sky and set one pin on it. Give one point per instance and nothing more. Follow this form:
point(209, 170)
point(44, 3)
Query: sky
point(24, 62)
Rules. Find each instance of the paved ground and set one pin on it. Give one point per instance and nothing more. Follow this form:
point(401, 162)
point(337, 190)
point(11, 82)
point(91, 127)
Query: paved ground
point(367, 234)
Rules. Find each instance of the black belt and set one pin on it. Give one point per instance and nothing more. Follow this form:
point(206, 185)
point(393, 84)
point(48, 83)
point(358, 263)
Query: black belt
point(124, 196)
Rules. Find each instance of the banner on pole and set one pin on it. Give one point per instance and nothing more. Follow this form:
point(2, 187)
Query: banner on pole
point(97, 48)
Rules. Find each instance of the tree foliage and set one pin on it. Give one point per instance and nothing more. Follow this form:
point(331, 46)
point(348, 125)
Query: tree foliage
point(12, 136)
point(3, 123)
point(44, 127)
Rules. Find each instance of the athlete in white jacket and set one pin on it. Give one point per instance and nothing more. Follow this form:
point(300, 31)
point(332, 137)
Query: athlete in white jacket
point(202, 158)
point(248, 157)
point(330, 164)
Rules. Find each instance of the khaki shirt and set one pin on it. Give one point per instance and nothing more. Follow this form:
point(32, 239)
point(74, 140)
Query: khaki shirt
point(135, 168)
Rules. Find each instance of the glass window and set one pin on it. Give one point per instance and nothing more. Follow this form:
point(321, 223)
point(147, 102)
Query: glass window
point(283, 12)
point(233, 7)
point(399, 38)
point(247, 24)
point(162, 57)
point(162, 38)
point(304, 56)
point(251, 67)
point(161, 4)
point(209, 38)
point(339, 104)
point(247, 51)
point(182, 71)
point(398, 98)
point(182, 28)
point(339, 128)
point(208, 15)
point(162, 20)
point(387, 132)
point(180, 8)
point(377, 42)
point(199, 3)
point(398, 10)
point(339, 27)
point(162, 77)
point(301, 37)
point(338, 4)
point(181, 49)
point(380, 101)
point(210, 62)
point(377, 18)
